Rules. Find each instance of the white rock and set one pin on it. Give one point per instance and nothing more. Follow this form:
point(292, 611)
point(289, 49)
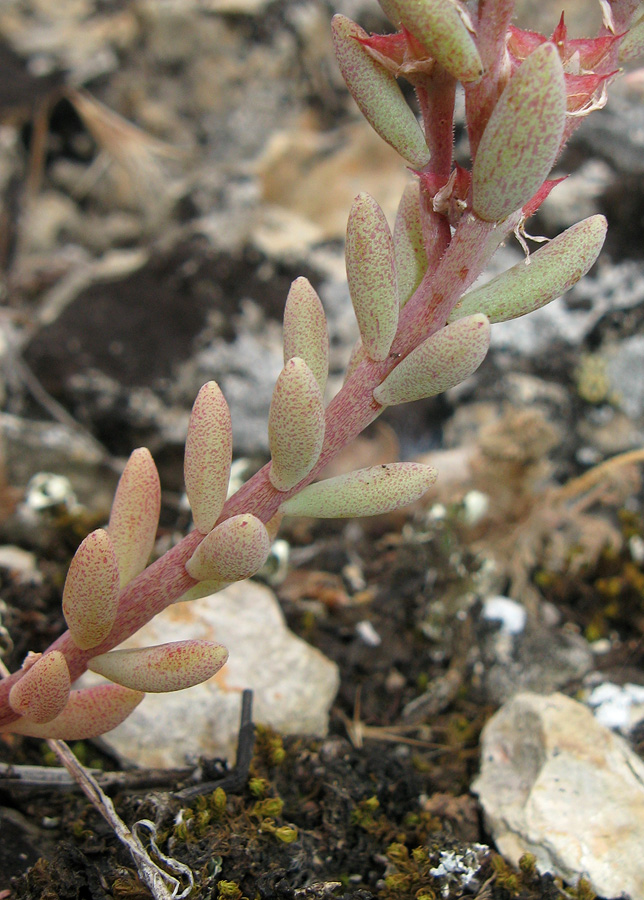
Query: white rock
point(557, 784)
point(620, 707)
point(293, 683)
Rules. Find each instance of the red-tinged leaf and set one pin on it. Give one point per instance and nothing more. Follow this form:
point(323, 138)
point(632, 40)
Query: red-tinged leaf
point(592, 51)
point(560, 34)
point(522, 43)
point(377, 94)
point(232, 551)
point(365, 492)
point(91, 592)
point(392, 47)
point(582, 89)
point(522, 137)
point(164, 668)
point(208, 456)
point(549, 273)
point(89, 713)
point(371, 274)
point(444, 360)
point(134, 518)
point(305, 330)
point(43, 691)
point(295, 425)
point(442, 27)
point(535, 202)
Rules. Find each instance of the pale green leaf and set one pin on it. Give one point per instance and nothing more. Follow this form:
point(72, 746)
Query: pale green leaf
point(377, 94)
point(441, 362)
point(522, 137)
point(208, 456)
point(548, 273)
point(295, 425)
point(371, 273)
point(365, 492)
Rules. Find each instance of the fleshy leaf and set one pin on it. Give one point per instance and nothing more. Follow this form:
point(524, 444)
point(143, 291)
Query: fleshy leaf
point(442, 27)
point(164, 668)
point(88, 713)
point(134, 517)
point(365, 492)
point(91, 592)
point(295, 425)
point(522, 137)
point(390, 9)
point(377, 94)
point(208, 456)
point(43, 691)
point(548, 273)
point(632, 44)
point(371, 273)
point(232, 551)
point(441, 362)
point(409, 246)
point(305, 330)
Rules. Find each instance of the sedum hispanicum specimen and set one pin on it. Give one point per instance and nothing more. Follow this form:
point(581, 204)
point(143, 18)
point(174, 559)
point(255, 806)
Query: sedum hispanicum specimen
point(423, 328)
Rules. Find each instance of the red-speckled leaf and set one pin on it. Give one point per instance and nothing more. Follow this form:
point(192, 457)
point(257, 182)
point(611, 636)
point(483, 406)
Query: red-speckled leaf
point(134, 518)
point(443, 27)
point(522, 137)
point(305, 330)
point(208, 456)
point(365, 492)
point(371, 273)
point(548, 273)
point(377, 94)
point(441, 362)
point(409, 246)
point(632, 44)
point(91, 592)
point(43, 691)
point(295, 425)
point(232, 551)
point(166, 667)
point(89, 712)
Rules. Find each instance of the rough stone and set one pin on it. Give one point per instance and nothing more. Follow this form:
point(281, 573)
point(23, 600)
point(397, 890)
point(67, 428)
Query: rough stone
point(293, 684)
point(557, 784)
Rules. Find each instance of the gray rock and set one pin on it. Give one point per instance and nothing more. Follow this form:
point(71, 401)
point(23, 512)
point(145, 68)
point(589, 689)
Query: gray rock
point(557, 784)
point(293, 684)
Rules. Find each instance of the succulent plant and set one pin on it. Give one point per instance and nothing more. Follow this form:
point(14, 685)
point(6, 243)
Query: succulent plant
point(424, 327)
